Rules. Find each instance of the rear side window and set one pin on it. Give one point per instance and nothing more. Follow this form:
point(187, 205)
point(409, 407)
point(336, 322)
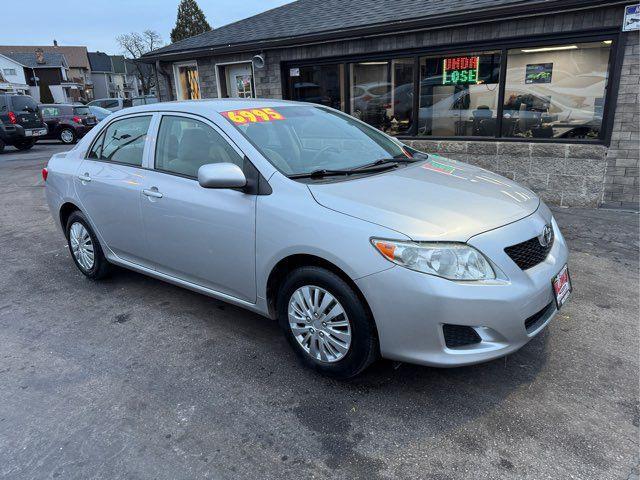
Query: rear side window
point(185, 144)
point(24, 103)
point(81, 111)
point(50, 111)
point(122, 141)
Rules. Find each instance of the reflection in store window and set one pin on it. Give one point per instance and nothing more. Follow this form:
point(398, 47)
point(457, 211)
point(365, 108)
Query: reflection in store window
point(317, 84)
point(188, 86)
point(382, 94)
point(459, 95)
point(556, 92)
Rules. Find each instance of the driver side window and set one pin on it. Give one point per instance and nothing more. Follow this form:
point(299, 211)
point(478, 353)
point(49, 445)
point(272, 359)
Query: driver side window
point(185, 144)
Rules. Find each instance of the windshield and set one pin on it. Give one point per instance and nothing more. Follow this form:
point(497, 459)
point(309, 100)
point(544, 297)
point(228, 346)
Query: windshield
point(301, 139)
point(81, 111)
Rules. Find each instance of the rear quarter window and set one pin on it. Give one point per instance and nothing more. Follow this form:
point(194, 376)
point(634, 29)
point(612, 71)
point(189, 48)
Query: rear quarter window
point(23, 103)
point(81, 111)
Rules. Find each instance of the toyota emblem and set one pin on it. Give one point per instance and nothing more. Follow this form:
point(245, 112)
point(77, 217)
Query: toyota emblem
point(546, 236)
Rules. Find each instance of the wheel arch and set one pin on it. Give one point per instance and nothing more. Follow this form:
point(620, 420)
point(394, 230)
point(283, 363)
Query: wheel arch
point(287, 264)
point(66, 209)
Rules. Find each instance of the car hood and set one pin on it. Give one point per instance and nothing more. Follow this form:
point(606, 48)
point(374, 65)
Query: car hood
point(436, 199)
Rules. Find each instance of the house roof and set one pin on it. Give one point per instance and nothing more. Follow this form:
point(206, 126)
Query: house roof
point(312, 19)
point(118, 64)
point(29, 60)
point(100, 62)
point(76, 56)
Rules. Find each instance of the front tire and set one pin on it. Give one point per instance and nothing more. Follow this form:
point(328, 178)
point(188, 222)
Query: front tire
point(326, 323)
point(68, 136)
point(85, 248)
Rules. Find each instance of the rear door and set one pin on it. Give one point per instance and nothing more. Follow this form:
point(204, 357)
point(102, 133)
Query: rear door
point(109, 185)
point(51, 116)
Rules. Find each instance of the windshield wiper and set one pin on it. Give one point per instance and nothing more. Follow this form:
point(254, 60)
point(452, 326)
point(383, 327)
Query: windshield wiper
point(384, 161)
point(321, 173)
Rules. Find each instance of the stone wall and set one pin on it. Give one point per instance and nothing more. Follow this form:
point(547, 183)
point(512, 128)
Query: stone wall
point(567, 175)
point(621, 181)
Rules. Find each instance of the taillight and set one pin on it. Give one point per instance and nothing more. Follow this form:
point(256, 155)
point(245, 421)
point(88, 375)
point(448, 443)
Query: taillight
point(45, 174)
point(77, 119)
point(12, 118)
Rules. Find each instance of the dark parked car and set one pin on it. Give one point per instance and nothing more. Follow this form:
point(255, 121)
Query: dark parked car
point(67, 123)
point(20, 122)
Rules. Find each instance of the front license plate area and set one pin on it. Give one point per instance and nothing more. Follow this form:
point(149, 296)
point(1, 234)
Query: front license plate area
point(561, 284)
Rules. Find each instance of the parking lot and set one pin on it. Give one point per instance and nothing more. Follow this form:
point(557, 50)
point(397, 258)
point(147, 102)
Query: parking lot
point(134, 378)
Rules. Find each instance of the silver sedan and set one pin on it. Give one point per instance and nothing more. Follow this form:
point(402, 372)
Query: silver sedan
point(358, 245)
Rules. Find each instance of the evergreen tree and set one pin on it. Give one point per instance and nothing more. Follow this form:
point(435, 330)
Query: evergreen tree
point(191, 21)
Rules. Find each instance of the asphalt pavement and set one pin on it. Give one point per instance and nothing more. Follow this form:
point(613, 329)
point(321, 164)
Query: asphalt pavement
point(132, 378)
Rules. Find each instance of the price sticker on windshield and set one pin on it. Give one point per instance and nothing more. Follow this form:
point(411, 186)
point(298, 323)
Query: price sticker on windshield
point(253, 115)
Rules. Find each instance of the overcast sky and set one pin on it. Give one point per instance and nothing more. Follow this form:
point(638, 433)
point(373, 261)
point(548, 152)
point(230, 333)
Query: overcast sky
point(96, 23)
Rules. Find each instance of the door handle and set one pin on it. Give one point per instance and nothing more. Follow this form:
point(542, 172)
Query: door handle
point(152, 192)
point(84, 178)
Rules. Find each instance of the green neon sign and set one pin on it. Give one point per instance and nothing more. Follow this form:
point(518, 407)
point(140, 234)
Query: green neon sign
point(460, 70)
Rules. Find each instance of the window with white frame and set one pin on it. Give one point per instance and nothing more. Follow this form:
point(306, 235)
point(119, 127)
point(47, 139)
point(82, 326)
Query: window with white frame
point(187, 81)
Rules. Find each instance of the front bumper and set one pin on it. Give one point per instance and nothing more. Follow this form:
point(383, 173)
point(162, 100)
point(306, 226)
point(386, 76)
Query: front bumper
point(410, 308)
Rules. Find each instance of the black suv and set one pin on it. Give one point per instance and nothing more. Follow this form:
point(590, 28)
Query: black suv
point(20, 121)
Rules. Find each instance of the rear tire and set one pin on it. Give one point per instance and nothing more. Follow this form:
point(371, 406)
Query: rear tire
point(85, 248)
point(68, 136)
point(1, 146)
point(353, 326)
point(25, 144)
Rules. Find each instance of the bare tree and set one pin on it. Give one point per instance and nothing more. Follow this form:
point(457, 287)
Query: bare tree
point(134, 45)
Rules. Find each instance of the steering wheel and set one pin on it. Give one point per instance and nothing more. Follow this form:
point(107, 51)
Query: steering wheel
point(316, 158)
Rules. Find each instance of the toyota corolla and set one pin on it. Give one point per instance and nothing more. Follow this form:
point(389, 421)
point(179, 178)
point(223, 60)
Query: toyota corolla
point(358, 245)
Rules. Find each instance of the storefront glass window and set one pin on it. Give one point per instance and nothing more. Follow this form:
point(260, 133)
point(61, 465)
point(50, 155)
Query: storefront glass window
point(556, 91)
point(459, 95)
point(320, 84)
point(381, 94)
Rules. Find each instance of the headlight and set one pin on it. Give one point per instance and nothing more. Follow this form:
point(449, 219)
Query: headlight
point(455, 261)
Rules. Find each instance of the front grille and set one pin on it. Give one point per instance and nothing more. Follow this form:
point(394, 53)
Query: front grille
point(459, 335)
point(530, 253)
point(537, 319)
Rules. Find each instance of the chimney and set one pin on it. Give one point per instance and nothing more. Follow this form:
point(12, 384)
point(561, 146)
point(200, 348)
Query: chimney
point(55, 42)
point(39, 56)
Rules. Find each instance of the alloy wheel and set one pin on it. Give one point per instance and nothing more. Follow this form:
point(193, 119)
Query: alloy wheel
point(66, 136)
point(319, 324)
point(81, 246)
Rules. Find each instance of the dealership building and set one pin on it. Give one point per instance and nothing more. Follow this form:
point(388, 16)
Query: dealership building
point(542, 91)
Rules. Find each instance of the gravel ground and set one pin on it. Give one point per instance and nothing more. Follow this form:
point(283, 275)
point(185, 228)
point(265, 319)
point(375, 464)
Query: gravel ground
point(134, 378)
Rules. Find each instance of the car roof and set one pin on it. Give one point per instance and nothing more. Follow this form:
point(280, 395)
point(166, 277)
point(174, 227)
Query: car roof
point(207, 106)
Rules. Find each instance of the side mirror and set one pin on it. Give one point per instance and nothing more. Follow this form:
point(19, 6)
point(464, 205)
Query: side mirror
point(221, 175)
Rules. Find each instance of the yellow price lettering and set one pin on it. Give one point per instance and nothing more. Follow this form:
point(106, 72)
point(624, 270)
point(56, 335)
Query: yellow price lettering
point(248, 115)
point(272, 113)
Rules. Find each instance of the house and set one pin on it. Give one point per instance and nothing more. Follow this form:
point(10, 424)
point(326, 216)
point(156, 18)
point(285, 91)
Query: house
point(542, 91)
point(12, 77)
point(81, 87)
point(102, 75)
point(132, 78)
point(47, 76)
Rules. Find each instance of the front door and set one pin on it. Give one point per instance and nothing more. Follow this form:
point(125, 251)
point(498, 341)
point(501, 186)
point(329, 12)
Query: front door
point(204, 236)
point(240, 80)
point(109, 184)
